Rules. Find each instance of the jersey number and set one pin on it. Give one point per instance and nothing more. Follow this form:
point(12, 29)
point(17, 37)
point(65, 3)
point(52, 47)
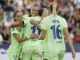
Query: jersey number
point(56, 32)
point(34, 28)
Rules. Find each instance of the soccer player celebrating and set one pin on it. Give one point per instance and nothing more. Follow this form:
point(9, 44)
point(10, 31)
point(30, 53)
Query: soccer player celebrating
point(55, 28)
point(32, 47)
point(17, 37)
point(43, 43)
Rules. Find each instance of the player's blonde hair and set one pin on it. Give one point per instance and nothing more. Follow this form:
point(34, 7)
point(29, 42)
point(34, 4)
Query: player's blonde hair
point(44, 14)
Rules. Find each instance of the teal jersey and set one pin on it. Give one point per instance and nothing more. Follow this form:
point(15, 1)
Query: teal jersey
point(54, 26)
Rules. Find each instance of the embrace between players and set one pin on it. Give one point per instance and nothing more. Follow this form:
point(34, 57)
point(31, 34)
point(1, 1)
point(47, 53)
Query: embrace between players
point(39, 36)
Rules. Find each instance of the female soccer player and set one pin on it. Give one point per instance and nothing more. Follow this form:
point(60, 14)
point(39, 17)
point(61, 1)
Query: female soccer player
point(17, 37)
point(43, 12)
point(55, 28)
point(32, 48)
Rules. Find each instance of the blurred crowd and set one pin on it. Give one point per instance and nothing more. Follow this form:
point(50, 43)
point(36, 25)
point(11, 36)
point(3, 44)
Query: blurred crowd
point(69, 9)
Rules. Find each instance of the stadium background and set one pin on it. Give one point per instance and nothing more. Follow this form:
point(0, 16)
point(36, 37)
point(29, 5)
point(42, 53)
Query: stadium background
point(69, 9)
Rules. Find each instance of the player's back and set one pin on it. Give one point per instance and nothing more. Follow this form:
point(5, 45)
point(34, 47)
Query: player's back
point(54, 26)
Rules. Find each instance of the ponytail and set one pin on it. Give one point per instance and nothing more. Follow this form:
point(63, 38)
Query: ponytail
point(44, 13)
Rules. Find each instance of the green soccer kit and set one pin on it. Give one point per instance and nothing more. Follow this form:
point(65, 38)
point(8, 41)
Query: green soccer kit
point(54, 26)
point(15, 47)
point(32, 47)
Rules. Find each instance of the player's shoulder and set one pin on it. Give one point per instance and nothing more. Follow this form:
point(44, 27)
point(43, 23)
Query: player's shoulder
point(32, 17)
point(13, 29)
point(46, 18)
point(36, 18)
point(25, 15)
point(29, 18)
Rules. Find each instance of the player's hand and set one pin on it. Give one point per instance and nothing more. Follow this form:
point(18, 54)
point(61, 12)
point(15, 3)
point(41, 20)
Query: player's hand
point(33, 36)
point(73, 54)
point(33, 22)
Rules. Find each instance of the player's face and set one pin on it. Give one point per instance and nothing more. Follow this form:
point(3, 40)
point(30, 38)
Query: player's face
point(19, 16)
point(34, 11)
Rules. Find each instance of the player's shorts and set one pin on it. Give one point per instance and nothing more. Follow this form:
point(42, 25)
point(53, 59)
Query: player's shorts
point(32, 50)
point(57, 55)
point(13, 55)
point(45, 54)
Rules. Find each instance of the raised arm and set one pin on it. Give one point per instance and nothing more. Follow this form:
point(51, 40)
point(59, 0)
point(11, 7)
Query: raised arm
point(18, 23)
point(35, 23)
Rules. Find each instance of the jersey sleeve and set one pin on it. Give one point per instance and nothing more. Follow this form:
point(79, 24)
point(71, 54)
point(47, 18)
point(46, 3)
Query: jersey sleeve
point(25, 18)
point(43, 24)
point(64, 23)
point(14, 31)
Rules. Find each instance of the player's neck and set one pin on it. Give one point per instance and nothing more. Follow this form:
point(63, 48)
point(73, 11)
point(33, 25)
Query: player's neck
point(54, 13)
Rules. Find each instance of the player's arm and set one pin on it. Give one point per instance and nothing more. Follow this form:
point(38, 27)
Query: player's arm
point(1, 24)
point(67, 36)
point(13, 24)
point(35, 23)
point(43, 27)
point(18, 38)
point(18, 23)
point(43, 34)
